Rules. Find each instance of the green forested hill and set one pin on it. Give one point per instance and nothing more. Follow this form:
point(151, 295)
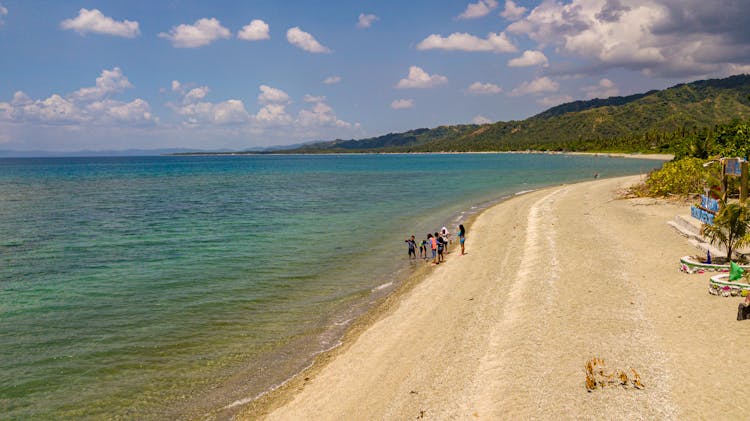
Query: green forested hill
point(654, 121)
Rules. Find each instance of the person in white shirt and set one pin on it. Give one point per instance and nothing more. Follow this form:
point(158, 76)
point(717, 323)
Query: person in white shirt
point(447, 236)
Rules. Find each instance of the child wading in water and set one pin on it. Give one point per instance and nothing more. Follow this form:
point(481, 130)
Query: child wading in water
point(412, 247)
point(446, 236)
point(440, 247)
point(434, 246)
point(423, 249)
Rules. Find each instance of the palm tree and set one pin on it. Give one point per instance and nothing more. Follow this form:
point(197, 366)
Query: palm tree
point(731, 227)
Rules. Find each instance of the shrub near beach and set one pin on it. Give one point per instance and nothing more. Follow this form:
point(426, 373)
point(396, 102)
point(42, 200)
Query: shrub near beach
point(686, 176)
point(694, 167)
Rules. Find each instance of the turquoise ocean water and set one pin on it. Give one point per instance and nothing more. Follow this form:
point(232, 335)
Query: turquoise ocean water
point(172, 287)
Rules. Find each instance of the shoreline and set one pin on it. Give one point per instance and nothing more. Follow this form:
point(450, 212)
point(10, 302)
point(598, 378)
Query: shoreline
point(363, 319)
point(305, 307)
point(262, 404)
point(634, 155)
point(441, 388)
point(254, 407)
point(382, 302)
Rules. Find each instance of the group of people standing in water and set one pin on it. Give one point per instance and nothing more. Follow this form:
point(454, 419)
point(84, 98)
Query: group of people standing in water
point(436, 243)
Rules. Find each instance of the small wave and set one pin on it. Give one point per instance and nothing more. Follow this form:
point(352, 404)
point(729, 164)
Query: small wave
point(244, 401)
point(524, 192)
point(382, 287)
point(342, 323)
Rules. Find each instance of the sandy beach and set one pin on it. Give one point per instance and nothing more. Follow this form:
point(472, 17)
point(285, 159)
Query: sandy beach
point(653, 156)
point(552, 278)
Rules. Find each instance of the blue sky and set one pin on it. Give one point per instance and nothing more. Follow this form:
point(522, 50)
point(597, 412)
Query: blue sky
point(111, 75)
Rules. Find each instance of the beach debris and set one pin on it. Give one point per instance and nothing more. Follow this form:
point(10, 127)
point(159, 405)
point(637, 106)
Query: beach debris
point(422, 412)
point(637, 379)
point(597, 376)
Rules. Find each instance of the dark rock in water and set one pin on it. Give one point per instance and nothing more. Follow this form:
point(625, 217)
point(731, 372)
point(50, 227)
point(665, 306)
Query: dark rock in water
point(743, 312)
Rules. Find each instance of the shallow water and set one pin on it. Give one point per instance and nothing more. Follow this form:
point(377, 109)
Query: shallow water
point(168, 287)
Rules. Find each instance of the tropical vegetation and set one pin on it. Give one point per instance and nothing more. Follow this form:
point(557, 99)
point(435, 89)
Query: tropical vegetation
point(696, 166)
point(684, 177)
point(731, 227)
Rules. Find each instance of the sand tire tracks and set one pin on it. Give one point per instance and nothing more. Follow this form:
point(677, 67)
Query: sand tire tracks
point(533, 371)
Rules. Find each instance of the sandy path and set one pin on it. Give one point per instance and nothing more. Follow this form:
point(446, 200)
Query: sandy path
point(552, 278)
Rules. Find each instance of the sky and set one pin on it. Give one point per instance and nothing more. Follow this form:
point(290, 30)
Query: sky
point(144, 74)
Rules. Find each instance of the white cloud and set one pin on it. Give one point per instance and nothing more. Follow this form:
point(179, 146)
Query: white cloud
point(230, 111)
point(198, 112)
point(196, 94)
point(269, 95)
point(418, 78)
point(54, 109)
point(479, 88)
point(95, 22)
point(273, 114)
point(529, 58)
point(577, 28)
point(604, 89)
point(309, 98)
point(110, 81)
point(6, 111)
point(305, 41)
point(400, 104)
point(539, 85)
point(84, 107)
point(736, 69)
point(320, 115)
point(365, 21)
point(3, 13)
point(227, 112)
point(135, 111)
point(664, 38)
point(256, 30)
point(202, 32)
point(551, 101)
point(498, 43)
point(20, 98)
point(512, 11)
point(91, 118)
point(480, 119)
point(478, 9)
point(330, 80)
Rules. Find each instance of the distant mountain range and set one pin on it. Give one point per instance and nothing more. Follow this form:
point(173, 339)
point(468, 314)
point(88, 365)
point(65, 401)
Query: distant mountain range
point(637, 123)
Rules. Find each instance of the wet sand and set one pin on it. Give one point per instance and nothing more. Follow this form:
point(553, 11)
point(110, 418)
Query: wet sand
point(551, 279)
